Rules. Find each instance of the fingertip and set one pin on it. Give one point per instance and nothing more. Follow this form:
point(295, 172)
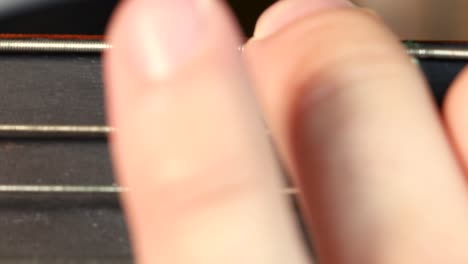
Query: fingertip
point(457, 94)
point(455, 111)
point(286, 11)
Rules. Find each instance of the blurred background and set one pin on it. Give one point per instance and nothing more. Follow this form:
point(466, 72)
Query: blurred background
point(411, 19)
point(424, 19)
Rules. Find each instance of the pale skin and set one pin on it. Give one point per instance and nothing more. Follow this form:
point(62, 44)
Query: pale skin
point(380, 171)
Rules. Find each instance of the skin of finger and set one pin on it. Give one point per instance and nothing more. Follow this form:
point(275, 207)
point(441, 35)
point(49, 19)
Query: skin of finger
point(204, 185)
point(286, 11)
point(456, 116)
point(354, 122)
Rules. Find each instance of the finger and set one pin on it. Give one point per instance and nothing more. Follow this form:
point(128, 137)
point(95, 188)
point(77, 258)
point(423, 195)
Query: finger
point(456, 116)
point(355, 123)
point(204, 186)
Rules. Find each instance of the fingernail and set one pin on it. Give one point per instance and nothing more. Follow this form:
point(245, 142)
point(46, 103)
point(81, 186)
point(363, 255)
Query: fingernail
point(286, 11)
point(166, 35)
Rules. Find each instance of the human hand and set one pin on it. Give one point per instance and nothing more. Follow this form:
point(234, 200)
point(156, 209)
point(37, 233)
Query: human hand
point(352, 118)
